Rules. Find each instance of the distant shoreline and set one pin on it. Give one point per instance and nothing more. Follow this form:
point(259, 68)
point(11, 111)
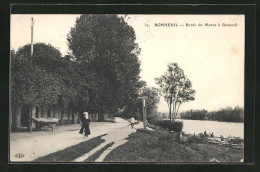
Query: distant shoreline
point(203, 120)
point(209, 120)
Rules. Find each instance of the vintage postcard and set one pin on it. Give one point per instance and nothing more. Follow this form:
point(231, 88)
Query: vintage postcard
point(127, 88)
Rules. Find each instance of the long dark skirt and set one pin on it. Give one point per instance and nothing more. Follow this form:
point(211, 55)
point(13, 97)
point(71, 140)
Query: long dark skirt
point(87, 130)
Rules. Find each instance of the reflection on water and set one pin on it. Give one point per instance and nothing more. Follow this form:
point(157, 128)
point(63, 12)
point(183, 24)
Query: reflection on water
point(218, 128)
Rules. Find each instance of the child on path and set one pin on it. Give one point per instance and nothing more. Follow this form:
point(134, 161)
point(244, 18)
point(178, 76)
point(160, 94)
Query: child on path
point(132, 121)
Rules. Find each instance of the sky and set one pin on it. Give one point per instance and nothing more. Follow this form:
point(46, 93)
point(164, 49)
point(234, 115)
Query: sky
point(212, 57)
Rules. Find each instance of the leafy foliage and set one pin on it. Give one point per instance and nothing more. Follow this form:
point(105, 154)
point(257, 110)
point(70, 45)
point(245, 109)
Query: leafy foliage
point(31, 81)
point(100, 75)
point(168, 125)
point(175, 87)
point(104, 48)
point(135, 108)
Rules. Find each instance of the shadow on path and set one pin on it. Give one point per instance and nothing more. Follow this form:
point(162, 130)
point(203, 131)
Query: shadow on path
point(72, 152)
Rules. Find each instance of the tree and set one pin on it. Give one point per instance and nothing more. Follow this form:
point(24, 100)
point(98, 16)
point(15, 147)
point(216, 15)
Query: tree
point(152, 100)
point(186, 93)
point(175, 87)
point(104, 46)
point(46, 65)
point(36, 80)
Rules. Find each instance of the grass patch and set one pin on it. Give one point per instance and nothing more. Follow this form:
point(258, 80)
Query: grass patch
point(93, 157)
point(73, 152)
point(161, 146)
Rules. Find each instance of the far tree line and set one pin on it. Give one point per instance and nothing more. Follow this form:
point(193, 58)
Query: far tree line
point(227, 114)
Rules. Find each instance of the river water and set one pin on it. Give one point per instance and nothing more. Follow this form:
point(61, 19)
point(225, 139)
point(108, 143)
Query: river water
point(218, 128)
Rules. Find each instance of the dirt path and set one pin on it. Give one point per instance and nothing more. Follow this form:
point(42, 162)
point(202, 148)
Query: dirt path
point(40, 144)
point(118, 137)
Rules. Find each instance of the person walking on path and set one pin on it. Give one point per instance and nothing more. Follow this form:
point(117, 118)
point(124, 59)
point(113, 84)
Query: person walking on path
point(132, 121)
point(85, 120)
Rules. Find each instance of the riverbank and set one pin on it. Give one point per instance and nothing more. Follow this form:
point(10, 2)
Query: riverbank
point(161, 146)
point(210, 120)
point(216, 127)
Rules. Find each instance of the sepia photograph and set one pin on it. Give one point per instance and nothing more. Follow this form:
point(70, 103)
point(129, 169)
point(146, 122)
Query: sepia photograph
point(127, 88)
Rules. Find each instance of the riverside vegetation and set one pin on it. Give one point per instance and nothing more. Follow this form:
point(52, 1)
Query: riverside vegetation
point(227, 114)
point(100, 75)
point(162, 146)
point(165, 144)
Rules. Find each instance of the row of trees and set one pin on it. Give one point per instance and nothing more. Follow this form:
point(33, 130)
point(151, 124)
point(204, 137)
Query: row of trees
point(174, 86)
point(100, 74)
point(227, 114)
point(195, 114)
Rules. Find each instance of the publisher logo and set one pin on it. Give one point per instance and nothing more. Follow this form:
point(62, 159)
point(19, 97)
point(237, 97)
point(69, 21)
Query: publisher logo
point(19, 155)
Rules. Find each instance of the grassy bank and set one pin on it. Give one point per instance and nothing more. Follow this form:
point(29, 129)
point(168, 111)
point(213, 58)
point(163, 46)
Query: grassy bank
point(160, 146)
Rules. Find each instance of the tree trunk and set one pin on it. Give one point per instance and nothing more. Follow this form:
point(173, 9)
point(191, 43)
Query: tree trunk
point(44, 111)
point(178, 109)
point(174, 104)
point(16, 121)
point(30, 118)
point(37, 113)
point(170, 112)
point(61, 115)
point(77, 116)
point(50, 111)
point(34, 111)
point(54, 110)
point(100, 117)
point(73, 116)
point(58, 112)
point(69, 114)
point(170, 109)
point(174, 110)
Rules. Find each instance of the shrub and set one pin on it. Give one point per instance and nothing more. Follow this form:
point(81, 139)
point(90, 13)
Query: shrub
point(195, 139)
point(168, 125)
